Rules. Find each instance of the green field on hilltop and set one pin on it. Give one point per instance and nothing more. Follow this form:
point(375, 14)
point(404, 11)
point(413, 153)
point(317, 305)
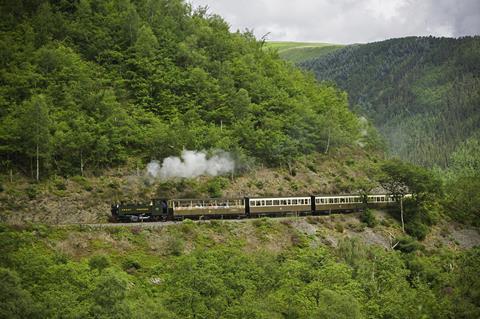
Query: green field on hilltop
point(297, 52)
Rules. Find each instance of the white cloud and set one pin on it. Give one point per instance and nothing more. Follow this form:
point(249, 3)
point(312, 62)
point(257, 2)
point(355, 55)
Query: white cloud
point(348, 21)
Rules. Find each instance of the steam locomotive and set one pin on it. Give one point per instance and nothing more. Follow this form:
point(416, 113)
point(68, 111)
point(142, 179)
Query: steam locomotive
point(221, 208)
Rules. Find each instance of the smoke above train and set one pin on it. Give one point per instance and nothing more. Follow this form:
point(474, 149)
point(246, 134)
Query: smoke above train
point(192, 164)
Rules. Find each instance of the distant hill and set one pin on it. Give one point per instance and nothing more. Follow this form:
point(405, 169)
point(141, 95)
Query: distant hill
point(297, 52)
point(423, 93)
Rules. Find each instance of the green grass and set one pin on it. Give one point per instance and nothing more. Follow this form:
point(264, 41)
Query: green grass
point(297, 52)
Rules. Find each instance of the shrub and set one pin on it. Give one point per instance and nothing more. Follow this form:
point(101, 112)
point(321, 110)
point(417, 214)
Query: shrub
point(136, 230)
point(215, 186)
point(263, 222)
point(407, 244)
point(99, 262)
point(187, 226)
point(386, 222)
point(60, 184)
point(339, 227)
point(299, 240)
point(417, 229)
point(174, 245)
point(368, 218)
point(357, 227)
point(114, 185)
point(32, 192)
point(131, 265)
point(312, 167)
point(294, 186)
point(259, 184)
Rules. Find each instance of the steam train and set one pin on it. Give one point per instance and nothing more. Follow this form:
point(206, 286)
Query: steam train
point(220, 208)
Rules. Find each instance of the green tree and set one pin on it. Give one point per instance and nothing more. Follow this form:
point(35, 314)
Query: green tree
point(400, 178)
point(33, 129)
point(146, 43)
point(16, 302)
point(395, 180)
point(110, 297)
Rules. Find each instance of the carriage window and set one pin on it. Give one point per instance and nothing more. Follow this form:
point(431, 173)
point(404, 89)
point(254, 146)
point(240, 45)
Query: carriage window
point(294, 202)
point(269, 202)
point(330, 200)
point(301, 201)
point(283, 202)
point(335, 200)
point(342, 200)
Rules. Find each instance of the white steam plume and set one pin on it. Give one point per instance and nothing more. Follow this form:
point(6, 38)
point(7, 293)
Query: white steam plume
point(192, 164)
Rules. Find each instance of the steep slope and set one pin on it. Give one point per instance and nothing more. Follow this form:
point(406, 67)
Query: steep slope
point(319, 267)
point(90, 85)
point(423, 93)
point(297, 52)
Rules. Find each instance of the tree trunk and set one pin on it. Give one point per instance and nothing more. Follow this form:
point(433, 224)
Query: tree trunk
point(401, 214)
point(38, 167)
point(328, 141)
point(81, 162)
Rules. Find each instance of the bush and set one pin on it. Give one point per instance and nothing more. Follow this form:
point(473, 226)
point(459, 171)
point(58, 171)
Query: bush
point(60, 184)
point(175, 245)
point(187, 226)
point(312, 167)
point(215, 186)
point(407, 244)
point(32, 192)
point(386, 222)
point(99, 262)
point(299, 240)
point(263, 222)
point(339, 227)
point(368, 218)
point(417, 229)
point(294, 186)
point(131, 265)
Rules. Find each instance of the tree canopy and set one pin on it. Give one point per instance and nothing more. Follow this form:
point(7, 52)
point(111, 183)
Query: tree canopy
point(148, 78)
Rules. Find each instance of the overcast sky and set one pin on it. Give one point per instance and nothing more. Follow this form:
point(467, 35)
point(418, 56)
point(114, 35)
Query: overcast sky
point(348, 21)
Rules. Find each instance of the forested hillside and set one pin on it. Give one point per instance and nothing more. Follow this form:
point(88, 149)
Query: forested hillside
point(422, 93)
point(321, 267)
point(87, 85)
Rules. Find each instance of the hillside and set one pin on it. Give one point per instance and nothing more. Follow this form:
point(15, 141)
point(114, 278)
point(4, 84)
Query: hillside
point(112, 101)
point(87, 86)
point(80, 199)
point(319, 267)
point(297, 52)
point(422, 93)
